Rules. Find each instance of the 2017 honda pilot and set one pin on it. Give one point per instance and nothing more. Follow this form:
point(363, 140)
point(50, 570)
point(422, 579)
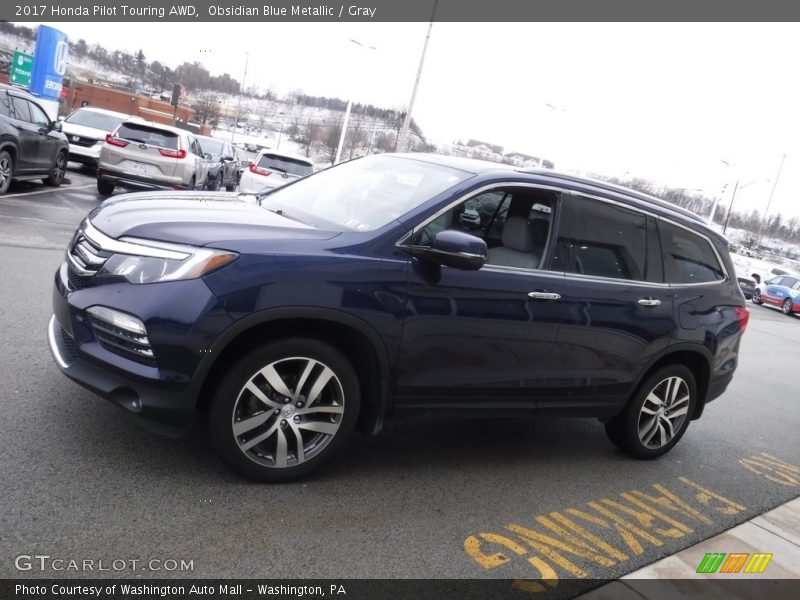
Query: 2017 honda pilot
point(291, 319)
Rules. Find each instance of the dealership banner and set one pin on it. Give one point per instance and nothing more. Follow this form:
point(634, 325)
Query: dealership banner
point(400, 10)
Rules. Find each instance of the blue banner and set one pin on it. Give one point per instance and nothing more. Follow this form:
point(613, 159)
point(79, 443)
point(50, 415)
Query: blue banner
point(49, 62)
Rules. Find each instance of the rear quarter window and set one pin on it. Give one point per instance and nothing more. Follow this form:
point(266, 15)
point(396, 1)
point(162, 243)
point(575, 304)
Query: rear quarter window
point(688, 257)
point(142, 134)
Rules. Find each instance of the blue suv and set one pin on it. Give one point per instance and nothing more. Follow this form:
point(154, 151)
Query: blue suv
point(393, 283)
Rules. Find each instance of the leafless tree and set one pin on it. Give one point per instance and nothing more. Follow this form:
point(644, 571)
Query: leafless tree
point(312, 132)
point(331, 139)
point(207, 108)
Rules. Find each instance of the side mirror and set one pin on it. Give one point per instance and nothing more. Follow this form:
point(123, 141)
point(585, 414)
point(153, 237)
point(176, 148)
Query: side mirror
point(61, 118)
point(227, 159)
point(57, 125)
point(207, 156)
point(454, 249)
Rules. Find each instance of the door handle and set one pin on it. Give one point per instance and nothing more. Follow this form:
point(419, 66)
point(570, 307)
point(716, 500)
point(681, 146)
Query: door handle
point(544, 296)
point(649, 302)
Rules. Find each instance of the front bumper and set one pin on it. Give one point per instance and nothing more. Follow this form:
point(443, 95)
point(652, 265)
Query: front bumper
point(162, 397)
point(88, 155)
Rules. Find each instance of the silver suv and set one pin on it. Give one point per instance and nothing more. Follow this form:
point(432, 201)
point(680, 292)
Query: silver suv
point(150, 156)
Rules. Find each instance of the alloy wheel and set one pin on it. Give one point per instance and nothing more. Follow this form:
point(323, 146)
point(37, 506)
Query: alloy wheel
point(5, 173)
point(663, 412)
point(60, 168)
point(288, 412)
point(787, 307)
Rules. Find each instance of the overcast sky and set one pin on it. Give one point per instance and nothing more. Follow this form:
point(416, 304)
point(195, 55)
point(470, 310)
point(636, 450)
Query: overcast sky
point(664, 101)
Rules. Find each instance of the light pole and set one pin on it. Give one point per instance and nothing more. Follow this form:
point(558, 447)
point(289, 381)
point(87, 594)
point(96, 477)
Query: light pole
point(347, 111)
point(402, 138)
point(771, 194)
point(736, 188)
point(241, 91)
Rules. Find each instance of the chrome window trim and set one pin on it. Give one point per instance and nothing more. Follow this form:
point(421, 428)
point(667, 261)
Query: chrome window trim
point(599, 279)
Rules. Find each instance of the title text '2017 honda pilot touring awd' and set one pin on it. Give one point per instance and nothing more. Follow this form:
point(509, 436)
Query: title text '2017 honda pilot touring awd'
point(290, 320)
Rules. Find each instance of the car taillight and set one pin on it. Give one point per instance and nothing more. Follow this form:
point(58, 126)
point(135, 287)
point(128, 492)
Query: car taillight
point(743, 314)
point(173, 153)
point(110, 139)
point(259, 171)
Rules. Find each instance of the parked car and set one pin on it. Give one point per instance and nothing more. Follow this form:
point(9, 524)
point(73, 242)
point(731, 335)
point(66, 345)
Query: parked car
point(86, 130)
point(272, 169)
point(356, 293)
point(31, 145)
point(145, 155)
point(223, 170)
point(782, 291)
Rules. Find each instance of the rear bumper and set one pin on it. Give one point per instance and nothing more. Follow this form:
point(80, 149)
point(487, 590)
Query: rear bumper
point(138, 182)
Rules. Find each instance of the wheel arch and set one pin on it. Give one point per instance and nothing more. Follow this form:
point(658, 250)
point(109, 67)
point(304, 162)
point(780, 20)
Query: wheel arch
point(11, 149)
point(363, 346)
point(696, 359)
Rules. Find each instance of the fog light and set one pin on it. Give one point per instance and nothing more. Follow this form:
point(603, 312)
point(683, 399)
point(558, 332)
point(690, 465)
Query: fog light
point(118, 319)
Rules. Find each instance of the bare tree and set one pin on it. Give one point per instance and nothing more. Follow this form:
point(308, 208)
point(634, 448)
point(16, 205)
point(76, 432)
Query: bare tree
point(207, 108)
point(357, 134)
point(331, 139)
point(385, 141)
point(312, 132)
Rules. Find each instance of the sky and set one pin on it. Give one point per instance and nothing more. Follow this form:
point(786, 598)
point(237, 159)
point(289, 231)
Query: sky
point(693, 106)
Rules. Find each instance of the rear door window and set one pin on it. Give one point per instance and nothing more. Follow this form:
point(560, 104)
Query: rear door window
point(284, 164)
point(688, 258)
point(602, 240)
point(5, 105)
point(143, 134)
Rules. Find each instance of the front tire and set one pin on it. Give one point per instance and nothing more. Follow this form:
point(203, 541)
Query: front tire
point(787, 307)
point(657, 415)
point(59, 170)
point(6, 171)
point(756, 299)
point(284, 409)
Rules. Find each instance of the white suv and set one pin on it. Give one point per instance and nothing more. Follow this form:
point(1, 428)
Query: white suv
point(150, 156)
point(272, 169)
point(86, 130)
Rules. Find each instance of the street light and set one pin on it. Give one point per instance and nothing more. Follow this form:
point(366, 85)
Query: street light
point(771, 194)
point(347, 111)
point(736, 188)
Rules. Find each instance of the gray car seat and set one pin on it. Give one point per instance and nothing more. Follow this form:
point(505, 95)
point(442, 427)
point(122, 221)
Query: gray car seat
point(518, 249)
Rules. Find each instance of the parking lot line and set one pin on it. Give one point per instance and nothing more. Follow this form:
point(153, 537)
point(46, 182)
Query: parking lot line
point(77, 187)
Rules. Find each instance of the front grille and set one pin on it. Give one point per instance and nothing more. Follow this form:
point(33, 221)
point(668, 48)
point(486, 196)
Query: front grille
point(70, 347)
point(84, 256)
point(86, 142)
point(124, 343)
point(76, 282)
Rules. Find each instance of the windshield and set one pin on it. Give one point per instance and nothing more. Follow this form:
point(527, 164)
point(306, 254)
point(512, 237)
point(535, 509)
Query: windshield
point(363, 194)
point(213, 147)
point(89, 118)
point(284, 164)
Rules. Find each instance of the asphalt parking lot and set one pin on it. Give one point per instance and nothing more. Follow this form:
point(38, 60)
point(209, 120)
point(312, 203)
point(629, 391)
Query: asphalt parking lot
point(437, 498)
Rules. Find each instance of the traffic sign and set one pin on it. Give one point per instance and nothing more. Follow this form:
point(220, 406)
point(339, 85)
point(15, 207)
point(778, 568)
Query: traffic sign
point(21, 67)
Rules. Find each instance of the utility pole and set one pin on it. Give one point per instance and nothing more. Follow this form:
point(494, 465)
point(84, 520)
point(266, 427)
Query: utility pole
point(402, 141)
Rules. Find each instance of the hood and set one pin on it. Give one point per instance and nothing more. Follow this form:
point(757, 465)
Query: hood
point(69, 129)
point(196, 218)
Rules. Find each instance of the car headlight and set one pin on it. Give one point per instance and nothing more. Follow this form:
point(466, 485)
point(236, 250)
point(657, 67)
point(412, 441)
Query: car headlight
point(166, 262)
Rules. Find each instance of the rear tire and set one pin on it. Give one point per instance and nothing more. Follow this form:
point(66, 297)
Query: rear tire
point(6, 171)
point(787, 307)
point(657, 415)
point(59, 170)
point(104, 188)
point(756, 299)
point(263, 420)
